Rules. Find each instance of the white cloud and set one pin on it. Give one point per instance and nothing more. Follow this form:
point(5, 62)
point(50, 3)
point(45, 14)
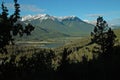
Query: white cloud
point(26, 7)
point(87, 21)
point(91, 22)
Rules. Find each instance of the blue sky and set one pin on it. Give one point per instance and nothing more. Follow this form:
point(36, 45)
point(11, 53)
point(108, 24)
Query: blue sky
point(84, 9)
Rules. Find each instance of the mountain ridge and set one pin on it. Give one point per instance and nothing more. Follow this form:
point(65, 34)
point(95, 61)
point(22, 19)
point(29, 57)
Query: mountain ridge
point(46, 16)
point(57, 26)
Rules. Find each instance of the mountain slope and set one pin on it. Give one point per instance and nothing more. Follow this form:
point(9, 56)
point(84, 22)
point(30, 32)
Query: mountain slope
point(78, 27)
point(57, 26)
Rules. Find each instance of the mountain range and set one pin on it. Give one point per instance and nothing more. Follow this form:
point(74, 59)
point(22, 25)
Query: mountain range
point(47, 26)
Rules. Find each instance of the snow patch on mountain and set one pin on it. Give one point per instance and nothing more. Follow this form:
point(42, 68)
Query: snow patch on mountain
point(46, 16)
point(34, 17)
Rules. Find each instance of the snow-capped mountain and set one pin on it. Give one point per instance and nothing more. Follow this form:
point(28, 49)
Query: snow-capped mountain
point(39, 16)
point(69, 18)
point(46, 16)
point(52, 26)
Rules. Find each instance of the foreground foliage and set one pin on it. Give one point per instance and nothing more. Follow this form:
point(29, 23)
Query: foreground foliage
point(73, 61)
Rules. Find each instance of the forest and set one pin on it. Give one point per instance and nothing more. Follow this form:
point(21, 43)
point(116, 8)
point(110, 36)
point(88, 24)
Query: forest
point(96, 57)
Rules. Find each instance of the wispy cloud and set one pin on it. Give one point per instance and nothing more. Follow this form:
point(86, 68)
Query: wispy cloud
point(94, 15)
point(32, 8)
point(113, 13)
point(110, 13)
point(27, 7)
point(114, 22)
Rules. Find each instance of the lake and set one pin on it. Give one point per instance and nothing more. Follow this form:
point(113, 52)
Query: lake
point(41, 44)
point(50, 43)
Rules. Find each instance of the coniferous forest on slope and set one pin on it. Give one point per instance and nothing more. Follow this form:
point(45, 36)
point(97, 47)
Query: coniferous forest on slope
point(95, 57)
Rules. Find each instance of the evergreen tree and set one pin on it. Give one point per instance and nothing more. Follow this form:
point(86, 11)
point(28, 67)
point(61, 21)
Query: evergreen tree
point(14, 17)
point(28, 29)
point(10, 26)
point(103, 36)
point(5, 36)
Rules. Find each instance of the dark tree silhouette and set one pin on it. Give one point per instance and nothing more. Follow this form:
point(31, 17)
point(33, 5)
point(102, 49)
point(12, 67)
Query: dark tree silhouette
point(103, 36)
point(5, 36)
point(16, 15)
point(28, 29)
point(10, 26)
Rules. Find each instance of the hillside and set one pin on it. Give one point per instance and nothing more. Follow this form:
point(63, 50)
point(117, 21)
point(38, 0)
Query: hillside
point(47, 26)
point(117, 32)
point(77, 47)
point(40, 33)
